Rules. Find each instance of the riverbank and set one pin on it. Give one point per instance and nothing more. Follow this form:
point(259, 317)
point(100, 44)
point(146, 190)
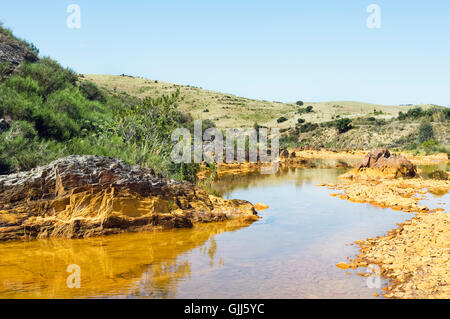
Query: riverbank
point(398, 194)
point(317, 159)
point(414, 256)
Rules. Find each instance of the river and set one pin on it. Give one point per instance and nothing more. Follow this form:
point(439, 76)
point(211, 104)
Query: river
point(291, 252)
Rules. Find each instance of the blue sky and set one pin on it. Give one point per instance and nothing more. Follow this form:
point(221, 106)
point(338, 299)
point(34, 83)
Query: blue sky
point(274, 50)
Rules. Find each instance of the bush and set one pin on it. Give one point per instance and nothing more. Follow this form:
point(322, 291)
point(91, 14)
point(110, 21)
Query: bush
point(300, 121)
point(20, 149)
point(281, 119)
point(49, 74)
point(308, 109)
point(307, 127)
point(425, 132)
point(438, 174)
point(343, 125)
point(299, 103)
point(92, 92)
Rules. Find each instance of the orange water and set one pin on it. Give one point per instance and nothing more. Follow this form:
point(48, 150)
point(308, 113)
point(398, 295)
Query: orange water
point(290, 253)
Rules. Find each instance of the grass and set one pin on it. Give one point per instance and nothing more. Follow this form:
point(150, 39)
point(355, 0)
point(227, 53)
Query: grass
point(228, 110)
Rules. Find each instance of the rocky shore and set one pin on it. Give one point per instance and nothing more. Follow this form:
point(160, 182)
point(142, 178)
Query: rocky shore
point(295, 158)
point(83, 196)
point(414, 256)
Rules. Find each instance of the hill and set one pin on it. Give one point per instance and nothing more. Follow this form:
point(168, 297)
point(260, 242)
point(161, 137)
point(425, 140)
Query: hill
point(227, 110)
point(333, 125)
point(49, 112)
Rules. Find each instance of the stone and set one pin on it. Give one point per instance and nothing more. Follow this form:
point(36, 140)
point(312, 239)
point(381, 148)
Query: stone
point(382, 163)
point(260, 206)
point(83, 196)
point(4, 126)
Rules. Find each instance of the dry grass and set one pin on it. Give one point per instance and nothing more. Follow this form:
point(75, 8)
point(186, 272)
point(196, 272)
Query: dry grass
point(228, 110)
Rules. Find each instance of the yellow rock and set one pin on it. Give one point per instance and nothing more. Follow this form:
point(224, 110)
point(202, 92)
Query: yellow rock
point(343, 266)
point(260, 206)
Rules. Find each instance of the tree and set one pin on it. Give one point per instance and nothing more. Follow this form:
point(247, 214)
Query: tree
point(425, 132)
point(299, 103)
point(343, 125)
point(309, 109)
point(282, 119)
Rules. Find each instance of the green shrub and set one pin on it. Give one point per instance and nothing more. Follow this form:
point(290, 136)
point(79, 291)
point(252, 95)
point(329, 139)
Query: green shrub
point(49, 74)
point(438, 174)
point(300, 120)
point(307, 127)
point(299, 103)
point(21, 150)
point(425, 132)
point(281, 119)
point(308, 109)
point(92, 92)
point(343, 125)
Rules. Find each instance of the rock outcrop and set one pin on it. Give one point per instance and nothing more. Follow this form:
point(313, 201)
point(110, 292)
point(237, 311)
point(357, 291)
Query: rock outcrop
point(381, 163)
point(82, 196)
point(15, 51)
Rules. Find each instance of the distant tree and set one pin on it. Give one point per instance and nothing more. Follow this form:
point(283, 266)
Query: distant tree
point(415, 112)
point(299, 103)
point(425, 132)
point(343, 125)
point(309, 109)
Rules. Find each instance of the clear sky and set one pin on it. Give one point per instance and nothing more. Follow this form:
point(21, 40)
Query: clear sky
point(275, 50)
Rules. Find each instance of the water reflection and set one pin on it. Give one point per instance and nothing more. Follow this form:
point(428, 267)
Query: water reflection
point(127, 265)
point(308, 176)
